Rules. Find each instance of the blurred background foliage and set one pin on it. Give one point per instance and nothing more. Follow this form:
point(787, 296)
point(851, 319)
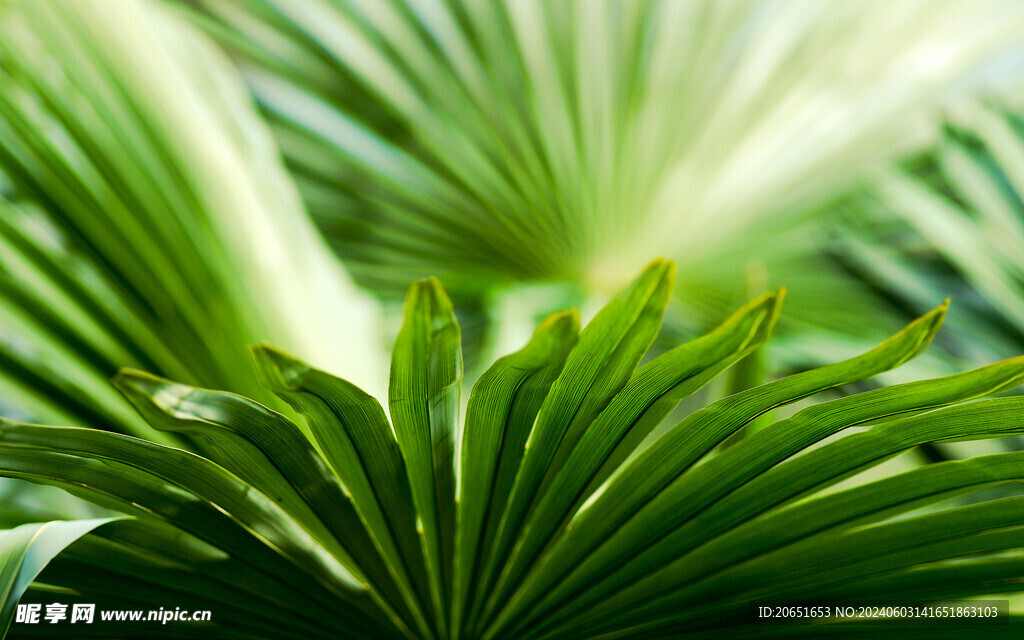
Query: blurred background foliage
point(176, 179)
point(500, 143)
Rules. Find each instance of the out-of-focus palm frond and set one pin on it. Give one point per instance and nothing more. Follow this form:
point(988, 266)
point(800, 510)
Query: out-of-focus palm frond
point(952, 219)
point(489, 141)
point(146, 219)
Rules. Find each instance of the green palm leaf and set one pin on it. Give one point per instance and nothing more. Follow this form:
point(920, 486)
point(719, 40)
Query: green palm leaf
point(953, 219)
point(146, 220)
point(25, 550)
point(502, 142)
point(549, 524)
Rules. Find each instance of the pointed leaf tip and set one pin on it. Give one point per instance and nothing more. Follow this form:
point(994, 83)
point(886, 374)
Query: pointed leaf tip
point(924, 327)
point(660, 269)
point(430, 289)
point(936, 317)
point(772, 302)
point(771, 299)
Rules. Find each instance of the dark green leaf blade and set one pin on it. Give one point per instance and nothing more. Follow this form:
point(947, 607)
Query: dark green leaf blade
point(491, 433)
point(681, 447)
point(873, 562)
point(267, 450)
point(193, 494)
point(352, 430)
point(597, 368)
point(664, 565)
point(652, 392)
point(424, 392)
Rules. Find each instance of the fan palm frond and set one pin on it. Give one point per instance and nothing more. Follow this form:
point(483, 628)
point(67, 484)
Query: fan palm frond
point(963, 203)
point(146, 220)
point(548, 524)
point(520, 141)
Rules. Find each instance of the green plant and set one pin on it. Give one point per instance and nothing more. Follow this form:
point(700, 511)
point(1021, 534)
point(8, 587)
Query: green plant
point(494, 143)
point(551, 521)
point(952, 220)
point(146, 220)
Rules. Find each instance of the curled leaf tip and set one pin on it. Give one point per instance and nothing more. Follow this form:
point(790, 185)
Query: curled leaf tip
point(428, 297)
point(276, 369)
point(561, 321)
point(431, 286)
point(127, 379)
